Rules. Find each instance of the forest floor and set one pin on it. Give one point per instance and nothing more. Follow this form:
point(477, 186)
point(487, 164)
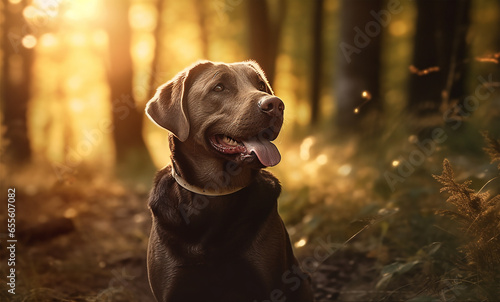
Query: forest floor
point(85, 239)
point(101, 254)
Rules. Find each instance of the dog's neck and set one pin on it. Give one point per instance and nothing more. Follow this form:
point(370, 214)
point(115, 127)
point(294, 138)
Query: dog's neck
point(201, 173)
point(208, 190)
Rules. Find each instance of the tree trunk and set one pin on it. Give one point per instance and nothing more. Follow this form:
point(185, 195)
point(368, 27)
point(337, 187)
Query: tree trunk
point(265, 34)
point(131, 153)
point(317, 56)
point(201, 11)
point(358, 64)
point(154, 78)
point(437, 71)
point(16, 84)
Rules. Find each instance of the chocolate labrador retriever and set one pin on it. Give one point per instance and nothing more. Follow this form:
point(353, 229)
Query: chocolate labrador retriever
point(216, 233)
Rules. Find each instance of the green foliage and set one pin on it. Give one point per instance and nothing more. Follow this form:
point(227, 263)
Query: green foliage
point(423, 259)
point(433, 257)
point(393, 270)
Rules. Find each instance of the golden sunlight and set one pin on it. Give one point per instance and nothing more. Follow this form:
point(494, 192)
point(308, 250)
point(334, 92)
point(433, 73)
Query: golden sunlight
point(305, 147)
point(322, 159)
point(78, 39)
point(366, 95)
point(29, 41)
point(142, 50)
point(48, 40)
point(398, 28)
point(142, 16)
point(74, 82)
point(300, 243)
point(100, 38)
point(30, 12)
point(49, 8)
point(345, 170)
point(82, 10)
point(76, 105)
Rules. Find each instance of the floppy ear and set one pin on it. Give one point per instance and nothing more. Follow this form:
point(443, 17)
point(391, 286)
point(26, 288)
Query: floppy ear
point(168, 107)
point(261, 73)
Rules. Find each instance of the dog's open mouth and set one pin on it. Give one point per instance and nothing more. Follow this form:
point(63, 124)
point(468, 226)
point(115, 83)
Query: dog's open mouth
point(266, 152)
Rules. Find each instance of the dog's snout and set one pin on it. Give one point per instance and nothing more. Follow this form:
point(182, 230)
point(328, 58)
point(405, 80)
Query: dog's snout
point(272, 106)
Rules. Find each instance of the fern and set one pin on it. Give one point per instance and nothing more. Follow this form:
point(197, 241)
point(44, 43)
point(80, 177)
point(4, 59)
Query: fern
point(469, 203)
point(492, 148)
point(479, 217)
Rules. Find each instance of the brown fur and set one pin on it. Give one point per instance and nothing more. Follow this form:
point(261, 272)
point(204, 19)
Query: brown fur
point(224, 248)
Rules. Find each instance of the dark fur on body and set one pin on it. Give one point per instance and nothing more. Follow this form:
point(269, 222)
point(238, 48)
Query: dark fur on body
point(222, 248)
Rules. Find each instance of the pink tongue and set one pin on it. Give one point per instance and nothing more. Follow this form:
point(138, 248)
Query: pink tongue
point(266, 151)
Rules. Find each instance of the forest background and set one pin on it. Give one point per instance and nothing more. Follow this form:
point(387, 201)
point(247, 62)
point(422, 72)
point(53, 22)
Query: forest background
point(378, 94)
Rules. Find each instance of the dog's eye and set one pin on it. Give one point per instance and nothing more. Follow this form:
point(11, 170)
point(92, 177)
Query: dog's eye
point(262, 86)
point(218, 88)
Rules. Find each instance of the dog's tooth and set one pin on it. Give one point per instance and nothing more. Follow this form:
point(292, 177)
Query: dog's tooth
point(230, 141)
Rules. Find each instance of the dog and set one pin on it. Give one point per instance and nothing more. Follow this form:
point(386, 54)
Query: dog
point(216, 233)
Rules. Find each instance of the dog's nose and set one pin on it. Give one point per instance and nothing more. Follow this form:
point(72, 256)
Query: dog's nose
point(272, 106)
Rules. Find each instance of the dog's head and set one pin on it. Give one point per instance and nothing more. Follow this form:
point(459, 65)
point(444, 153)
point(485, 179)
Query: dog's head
point(229, 110)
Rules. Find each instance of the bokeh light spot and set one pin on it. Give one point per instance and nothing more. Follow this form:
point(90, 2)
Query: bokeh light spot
point(345, 170)
point(305, 147)
point(398, 28)
point(322, 159)
point(300, 243)
point(29, 41)
point(142, 17)
point(76, 105)
point(48, 40)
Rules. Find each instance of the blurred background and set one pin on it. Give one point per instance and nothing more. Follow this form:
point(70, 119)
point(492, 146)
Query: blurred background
point(378, 93)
